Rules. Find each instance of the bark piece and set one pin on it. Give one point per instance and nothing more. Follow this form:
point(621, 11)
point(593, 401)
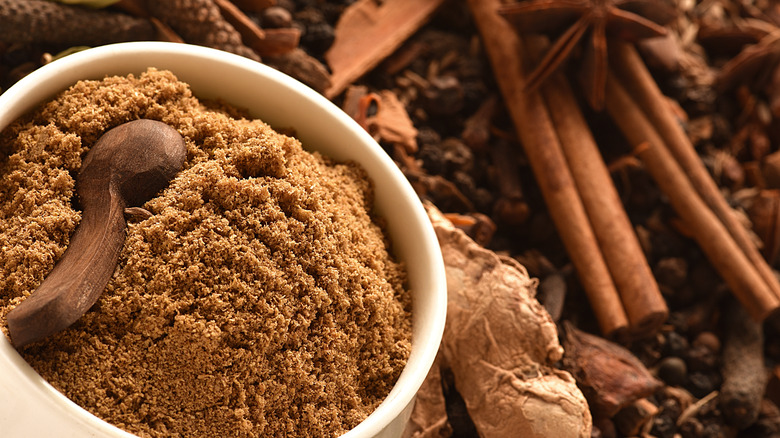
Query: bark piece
point(761, 299)
point(368, 32)
point(747, 274)
point(500, 344)
point(639, 293)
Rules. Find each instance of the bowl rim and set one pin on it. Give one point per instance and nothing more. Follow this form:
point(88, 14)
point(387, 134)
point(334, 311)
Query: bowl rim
point(28, 92)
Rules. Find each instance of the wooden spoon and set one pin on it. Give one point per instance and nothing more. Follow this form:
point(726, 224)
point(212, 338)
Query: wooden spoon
point(127, 166)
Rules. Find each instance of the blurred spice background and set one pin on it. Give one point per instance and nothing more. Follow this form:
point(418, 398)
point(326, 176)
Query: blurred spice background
point(625, 153)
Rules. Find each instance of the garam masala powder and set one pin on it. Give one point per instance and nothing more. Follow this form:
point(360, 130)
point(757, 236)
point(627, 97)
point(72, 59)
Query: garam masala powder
point(258, 299)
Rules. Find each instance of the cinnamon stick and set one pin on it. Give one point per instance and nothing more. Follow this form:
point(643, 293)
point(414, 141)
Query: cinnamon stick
point(536, 132)
point(709, 232)
point(645, 306)
point(629, 66)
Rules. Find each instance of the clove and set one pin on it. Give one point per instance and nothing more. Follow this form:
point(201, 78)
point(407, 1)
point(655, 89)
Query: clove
point(125, 168)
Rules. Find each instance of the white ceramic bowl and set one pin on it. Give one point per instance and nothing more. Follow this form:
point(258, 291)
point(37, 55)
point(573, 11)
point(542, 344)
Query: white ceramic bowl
point(30, 407)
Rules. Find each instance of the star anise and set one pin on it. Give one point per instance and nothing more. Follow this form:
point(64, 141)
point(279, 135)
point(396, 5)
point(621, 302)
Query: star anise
point(755, 64)
point(627, 19)
point(755, 75)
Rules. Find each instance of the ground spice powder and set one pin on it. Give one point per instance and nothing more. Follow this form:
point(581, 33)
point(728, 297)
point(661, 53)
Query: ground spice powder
point(259, 298)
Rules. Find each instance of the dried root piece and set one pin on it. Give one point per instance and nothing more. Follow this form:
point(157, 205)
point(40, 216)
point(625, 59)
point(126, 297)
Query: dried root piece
point(45, 22)
point(429, 416)
point(744, 373)
point(500, 343)
point(200, 22)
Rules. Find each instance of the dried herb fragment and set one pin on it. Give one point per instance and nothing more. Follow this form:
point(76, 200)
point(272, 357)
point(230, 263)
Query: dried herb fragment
point(45, 22)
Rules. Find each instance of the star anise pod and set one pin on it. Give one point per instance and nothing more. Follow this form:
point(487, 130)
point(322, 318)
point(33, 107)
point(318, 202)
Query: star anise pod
point(599, 19)
point(753, 75)
point(755, 64)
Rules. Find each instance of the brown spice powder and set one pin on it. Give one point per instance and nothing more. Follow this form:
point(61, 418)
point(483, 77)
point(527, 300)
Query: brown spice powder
point(258, 300)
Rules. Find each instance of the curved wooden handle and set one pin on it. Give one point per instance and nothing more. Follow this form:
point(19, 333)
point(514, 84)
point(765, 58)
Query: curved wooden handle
point(127, 166)
point(77, 279)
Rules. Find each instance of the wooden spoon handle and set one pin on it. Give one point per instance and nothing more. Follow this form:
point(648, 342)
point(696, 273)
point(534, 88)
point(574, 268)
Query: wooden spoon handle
point(77, 279)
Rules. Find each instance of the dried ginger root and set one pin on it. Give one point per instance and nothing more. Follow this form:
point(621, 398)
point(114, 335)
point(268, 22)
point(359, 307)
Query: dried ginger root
point(429, 416)
point(500, 343)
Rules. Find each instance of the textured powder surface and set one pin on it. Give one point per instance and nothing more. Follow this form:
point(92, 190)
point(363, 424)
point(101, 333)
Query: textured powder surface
point(259, 298)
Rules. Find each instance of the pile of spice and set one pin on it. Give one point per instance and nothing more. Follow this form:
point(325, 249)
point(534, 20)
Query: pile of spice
point(259, 298)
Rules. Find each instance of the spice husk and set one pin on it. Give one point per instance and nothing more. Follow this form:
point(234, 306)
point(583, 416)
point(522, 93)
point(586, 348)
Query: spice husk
point(610, 376)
